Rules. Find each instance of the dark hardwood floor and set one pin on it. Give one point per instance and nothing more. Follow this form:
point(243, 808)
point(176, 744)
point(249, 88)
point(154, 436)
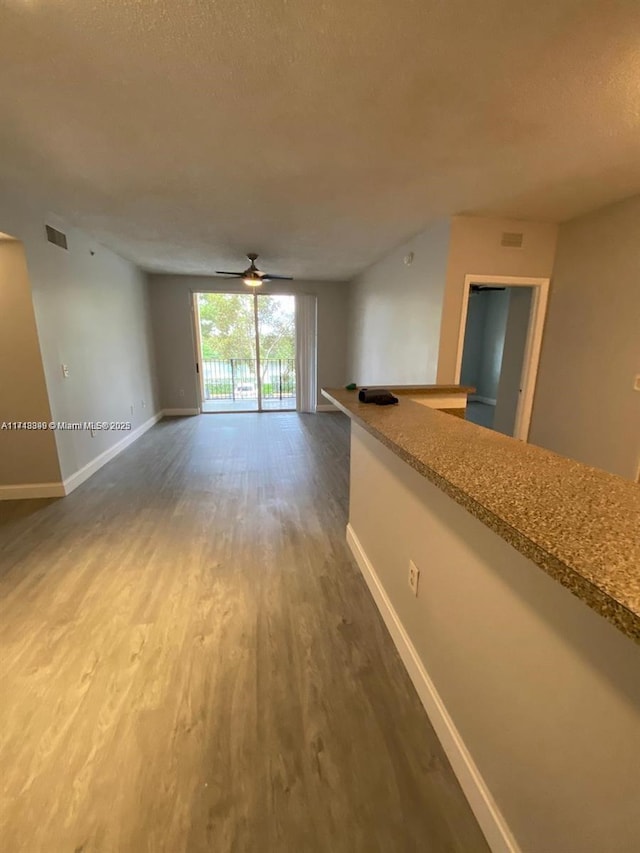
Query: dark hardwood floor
point(192, 662)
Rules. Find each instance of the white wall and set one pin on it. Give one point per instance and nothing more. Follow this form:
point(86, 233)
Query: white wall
point(484, 342)
point(91, 313)
point(544, 692)
point(495, 327)
point(473, 341)
point(476, 249)
point(394, 319)
point(173, 330)
point(512, 363)
point(585, 406)
point(26, 456)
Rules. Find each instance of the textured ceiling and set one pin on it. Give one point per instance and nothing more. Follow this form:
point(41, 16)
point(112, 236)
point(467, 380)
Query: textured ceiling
point(319, 133)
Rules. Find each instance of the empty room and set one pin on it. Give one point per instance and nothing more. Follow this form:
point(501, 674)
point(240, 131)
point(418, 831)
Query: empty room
point(320, 427)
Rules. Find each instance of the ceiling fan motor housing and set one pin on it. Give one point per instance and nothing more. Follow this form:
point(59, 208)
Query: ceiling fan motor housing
point(252, 276)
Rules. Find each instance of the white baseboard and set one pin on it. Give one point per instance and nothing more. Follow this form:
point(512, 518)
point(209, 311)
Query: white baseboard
point(326, 407)
point(25, 491)
point(476, 398)
point(75, 480)
point(179, 413)
point(491, 821)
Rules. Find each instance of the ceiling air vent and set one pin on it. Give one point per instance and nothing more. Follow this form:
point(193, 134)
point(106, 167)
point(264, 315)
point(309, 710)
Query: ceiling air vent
point(511, 240)
point(56, 237)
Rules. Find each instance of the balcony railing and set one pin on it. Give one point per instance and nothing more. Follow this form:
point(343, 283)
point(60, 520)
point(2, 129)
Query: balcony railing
point(237, 378)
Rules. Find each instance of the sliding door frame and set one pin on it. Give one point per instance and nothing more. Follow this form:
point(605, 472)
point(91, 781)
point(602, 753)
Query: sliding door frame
point(256, 331)
point(197, 340)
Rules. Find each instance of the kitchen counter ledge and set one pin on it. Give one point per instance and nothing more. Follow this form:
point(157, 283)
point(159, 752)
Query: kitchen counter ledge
point(579, 524)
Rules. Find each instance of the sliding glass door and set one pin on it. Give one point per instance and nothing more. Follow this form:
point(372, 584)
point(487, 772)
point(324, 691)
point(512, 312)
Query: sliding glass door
point(247, 351)
point(276, 325)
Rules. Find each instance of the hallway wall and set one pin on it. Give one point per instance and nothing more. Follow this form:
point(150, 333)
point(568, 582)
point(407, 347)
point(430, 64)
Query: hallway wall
point(26, 456)
point(585, 406)
point(476, 250)
point(91, 311)
point(484, 342)
point(515, 340)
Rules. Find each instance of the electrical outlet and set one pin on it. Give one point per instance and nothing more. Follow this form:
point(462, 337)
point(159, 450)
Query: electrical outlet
point(182, 392)
point(414, 577)
point(143, 404)
point(65, 370)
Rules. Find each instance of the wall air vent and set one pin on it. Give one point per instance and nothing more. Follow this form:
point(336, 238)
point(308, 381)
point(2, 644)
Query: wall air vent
point(56, 237)
point(511, 240)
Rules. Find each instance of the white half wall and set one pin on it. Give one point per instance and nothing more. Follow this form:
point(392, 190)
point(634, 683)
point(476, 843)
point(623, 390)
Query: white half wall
point(535, 697)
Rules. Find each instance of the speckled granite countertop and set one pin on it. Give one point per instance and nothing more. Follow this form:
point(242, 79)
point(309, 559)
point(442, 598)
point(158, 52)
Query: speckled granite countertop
point(581, 525)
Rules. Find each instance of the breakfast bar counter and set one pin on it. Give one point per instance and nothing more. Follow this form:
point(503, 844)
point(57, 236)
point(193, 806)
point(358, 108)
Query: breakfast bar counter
point(509, 580)
point(580, 524)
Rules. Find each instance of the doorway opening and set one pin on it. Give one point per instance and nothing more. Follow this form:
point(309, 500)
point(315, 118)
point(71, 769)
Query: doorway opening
point(247, 358)
point(499, 349)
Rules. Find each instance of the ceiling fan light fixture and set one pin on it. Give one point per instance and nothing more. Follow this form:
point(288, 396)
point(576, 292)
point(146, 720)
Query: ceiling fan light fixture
point(252, 276)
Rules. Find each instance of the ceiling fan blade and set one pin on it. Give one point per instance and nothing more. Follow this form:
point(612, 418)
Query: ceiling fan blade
point(277, 277)
point(225, 272)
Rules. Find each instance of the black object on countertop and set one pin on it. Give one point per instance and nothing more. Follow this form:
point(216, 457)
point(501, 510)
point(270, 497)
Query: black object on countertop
point(379, 396)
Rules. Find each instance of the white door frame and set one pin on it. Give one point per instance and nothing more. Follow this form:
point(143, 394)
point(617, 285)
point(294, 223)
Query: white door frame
point(195, 319)
point(533, 344)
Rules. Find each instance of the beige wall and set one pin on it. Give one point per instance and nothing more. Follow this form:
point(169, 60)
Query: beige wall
point(26, 456)
point(544, 692)
point(585, 406)
point(404, 320)
point(394, 318)
point(92, 314)
point(476, 249)
point(174, 333)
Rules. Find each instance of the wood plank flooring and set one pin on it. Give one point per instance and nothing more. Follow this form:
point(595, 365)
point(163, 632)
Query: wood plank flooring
point(191, 661)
